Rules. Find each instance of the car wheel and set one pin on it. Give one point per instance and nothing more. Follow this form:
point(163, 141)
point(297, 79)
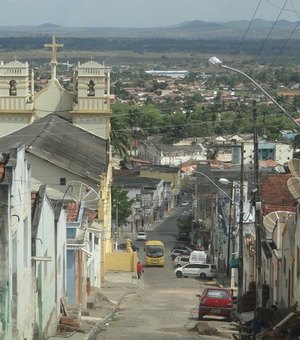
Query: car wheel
point(200, 316)
point(202, 276)
point(179, 274)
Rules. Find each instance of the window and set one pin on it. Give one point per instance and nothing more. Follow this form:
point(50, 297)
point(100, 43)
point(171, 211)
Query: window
point(91, 89)
point(62, 181)
point(218, 294)
point(203, 266)
point(12, 88)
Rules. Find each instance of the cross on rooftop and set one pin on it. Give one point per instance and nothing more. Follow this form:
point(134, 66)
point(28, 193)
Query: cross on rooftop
point(54, 47)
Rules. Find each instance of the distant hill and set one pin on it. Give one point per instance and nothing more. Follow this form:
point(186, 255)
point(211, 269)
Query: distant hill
point(187, 30)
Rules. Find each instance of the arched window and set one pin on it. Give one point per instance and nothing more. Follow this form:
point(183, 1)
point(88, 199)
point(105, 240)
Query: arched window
point(91, 89)
point(12, 88)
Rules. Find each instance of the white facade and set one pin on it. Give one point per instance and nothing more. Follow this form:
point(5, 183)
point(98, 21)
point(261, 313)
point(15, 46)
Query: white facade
point(61, 263)
point(17, 309)
point(296, 292)
point(15, 97)
point(92, 111)
point(176, 158)
point(53, 98)
point(44, 171)
point(45, 264)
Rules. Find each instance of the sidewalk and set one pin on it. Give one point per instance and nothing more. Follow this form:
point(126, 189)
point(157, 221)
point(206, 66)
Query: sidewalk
point(105, 303)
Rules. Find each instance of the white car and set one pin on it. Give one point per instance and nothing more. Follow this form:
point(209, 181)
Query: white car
point(184, 203)
point(180, 261)
point(201, 270)
point(141, 236)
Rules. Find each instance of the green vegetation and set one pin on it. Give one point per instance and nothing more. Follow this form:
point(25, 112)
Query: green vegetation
point(121, 205)
point(190, 114)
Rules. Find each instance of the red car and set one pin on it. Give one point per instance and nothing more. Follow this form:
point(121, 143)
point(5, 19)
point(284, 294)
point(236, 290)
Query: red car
point(215, 301)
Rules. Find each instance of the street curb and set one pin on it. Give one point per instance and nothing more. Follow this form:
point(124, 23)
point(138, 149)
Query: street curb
point(99, 327)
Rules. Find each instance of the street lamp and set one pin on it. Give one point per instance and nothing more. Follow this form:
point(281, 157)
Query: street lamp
point(217, 62)
point(230, 231)
point(116, 206)
point(215, 184)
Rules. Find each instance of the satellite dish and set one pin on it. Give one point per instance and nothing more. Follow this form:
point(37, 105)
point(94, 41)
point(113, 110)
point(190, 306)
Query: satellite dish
point(271, 219)
point(293, 185)
point(294, 166)
point(81, 192)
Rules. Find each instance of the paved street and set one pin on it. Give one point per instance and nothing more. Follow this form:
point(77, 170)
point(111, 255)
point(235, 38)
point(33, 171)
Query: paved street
point(164, 306)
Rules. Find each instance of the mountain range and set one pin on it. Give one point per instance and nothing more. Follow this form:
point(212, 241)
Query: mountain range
point(257, 29)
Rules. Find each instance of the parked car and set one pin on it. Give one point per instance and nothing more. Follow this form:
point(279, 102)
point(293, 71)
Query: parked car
point(123, 246)
point(184, 238)
point(180, 260)
point(215, 301)
point(141, 236)
point(184, 247)
point(201, 270)
point(184, 203)
point(175, 252)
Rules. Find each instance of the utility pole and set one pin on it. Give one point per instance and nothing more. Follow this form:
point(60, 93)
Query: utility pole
point(230, 230)
point(241, 233)
point(257, 206)
point(116, 205)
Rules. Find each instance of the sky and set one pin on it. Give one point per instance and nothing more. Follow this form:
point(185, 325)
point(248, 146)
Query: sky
point(142, 13)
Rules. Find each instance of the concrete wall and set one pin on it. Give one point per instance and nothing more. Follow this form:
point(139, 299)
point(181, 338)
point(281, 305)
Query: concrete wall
point(121, 261)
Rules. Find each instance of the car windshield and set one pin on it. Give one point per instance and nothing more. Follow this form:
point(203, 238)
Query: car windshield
point(217, 294)
point(154, 251)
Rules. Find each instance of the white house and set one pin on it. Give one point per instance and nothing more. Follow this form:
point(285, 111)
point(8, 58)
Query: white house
point(16, 287)
point(49, 261)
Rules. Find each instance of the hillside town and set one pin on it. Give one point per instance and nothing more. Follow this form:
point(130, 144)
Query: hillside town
point(60, 236)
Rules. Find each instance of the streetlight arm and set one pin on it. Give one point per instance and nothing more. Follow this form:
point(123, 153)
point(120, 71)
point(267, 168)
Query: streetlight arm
point(211, 181)
point(217, 62)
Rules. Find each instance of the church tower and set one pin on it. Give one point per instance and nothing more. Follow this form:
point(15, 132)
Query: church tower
point(92, 110)
point(16, 108)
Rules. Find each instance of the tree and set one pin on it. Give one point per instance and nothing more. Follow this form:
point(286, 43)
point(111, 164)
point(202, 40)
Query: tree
point(121, 205)
point(184, 224)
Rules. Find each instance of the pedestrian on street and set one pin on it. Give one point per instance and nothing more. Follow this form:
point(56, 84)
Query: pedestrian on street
point(139, 269)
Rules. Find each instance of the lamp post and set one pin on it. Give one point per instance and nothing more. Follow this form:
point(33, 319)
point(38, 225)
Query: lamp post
point(116, 205)
point(230, 229)
point(217, 62)
point(256, 199)
point(241, 220)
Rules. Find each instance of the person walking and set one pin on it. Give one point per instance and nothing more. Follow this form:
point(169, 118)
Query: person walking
point(139, 269)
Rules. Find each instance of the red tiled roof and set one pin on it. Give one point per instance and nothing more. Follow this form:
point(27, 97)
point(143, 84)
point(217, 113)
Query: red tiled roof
point(268, 163)
point(92, 214)
point(2, 172)
point(136, 160)
point(275, 194)
point(33, 199)
point(72, 211)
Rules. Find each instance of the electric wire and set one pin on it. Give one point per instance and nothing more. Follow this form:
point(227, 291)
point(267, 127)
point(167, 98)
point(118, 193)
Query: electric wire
point(287, 40)
point(271, 30)
point(247, 31)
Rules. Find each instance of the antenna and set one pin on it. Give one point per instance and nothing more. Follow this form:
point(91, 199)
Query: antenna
point(294, 166)
point(293, 185)
point(271, 219)
point(81, 192)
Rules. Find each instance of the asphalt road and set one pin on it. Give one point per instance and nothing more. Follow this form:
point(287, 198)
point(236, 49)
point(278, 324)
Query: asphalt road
point(162, 307)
